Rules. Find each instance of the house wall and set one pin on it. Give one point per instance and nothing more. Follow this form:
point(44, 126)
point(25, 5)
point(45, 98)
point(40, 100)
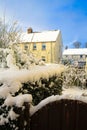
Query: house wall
point(75, 57)
point(58, 48)
point(48, 53)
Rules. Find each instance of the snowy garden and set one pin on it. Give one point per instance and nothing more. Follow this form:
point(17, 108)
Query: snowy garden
point(26, 79)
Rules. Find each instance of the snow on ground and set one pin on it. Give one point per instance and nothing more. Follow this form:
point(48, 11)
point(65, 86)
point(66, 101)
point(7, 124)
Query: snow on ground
point(74, 91)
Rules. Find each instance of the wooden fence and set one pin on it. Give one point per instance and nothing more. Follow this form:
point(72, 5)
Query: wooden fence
point(63, 114)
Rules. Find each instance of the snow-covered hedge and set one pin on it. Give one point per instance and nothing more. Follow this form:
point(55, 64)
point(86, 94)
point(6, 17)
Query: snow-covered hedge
point(17, 85)
point(12, 112)
point(41, 82)
point(43, 88)
point(75, 77)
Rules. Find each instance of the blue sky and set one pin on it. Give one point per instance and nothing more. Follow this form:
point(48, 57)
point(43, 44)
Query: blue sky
point(70, 16)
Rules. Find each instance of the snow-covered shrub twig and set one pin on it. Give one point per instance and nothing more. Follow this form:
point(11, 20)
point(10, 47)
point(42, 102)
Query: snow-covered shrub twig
point(74, 77)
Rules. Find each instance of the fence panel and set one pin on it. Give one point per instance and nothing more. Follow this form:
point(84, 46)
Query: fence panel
point(81, 121)
point(64, 114)
point(54, 118)
point(68, 114)
point(39, 120)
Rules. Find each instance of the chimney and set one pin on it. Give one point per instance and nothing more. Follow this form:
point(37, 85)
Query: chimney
point(29, 30)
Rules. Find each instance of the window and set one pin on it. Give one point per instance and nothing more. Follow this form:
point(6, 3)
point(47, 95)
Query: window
point(26, 47)
point(81, 56)
point(34, 46)
point(43, 58)
point(43, 46)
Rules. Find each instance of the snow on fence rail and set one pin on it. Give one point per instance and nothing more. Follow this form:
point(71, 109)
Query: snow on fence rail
point(54, 98)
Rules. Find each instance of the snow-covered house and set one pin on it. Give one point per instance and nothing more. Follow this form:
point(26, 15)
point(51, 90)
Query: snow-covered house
point(77, 54)
point(46, 45)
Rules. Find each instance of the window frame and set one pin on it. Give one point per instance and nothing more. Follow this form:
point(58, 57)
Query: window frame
point(43, 46)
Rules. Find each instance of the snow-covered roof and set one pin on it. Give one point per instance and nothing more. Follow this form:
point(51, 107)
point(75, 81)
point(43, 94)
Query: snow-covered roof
point(44, 36)
point(79, 51)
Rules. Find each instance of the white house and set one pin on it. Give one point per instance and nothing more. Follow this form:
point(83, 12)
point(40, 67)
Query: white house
point(77, 54)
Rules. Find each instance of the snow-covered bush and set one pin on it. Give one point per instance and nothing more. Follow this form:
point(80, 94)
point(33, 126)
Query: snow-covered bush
point(15, 58)
point(23, 60)
point(75, 77)
point(43, 88)
point(13, 112)
point(41, 81)
point(3, 55)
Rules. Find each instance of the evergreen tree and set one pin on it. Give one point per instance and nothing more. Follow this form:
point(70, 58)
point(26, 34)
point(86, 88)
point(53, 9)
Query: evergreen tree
point(66, 47)
point(77, 44)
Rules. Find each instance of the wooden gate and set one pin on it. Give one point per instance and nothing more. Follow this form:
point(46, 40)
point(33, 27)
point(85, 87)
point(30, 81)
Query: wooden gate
point(64, 114)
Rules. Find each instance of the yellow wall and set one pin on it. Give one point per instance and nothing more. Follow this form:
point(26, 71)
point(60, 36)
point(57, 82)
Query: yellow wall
point(38, 53)
point(48, 53)
point(58, 48)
